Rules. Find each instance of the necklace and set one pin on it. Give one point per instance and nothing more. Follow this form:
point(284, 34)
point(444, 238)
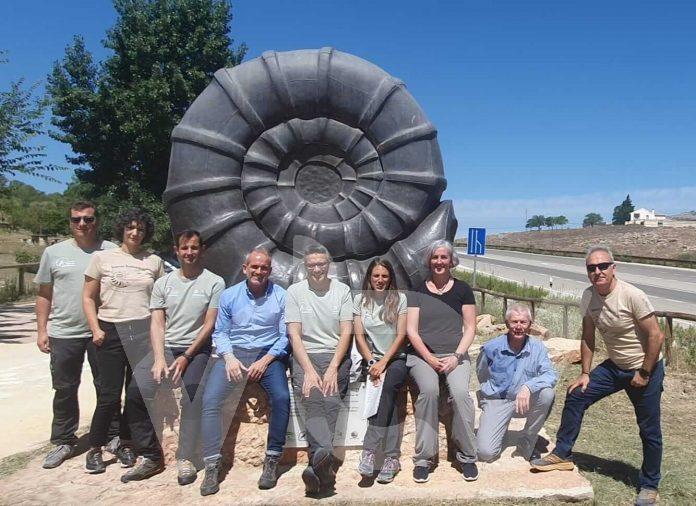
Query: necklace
point(442, 290)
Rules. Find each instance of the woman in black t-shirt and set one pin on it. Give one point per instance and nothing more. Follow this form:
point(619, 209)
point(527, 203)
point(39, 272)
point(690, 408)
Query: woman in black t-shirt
point(441, 325)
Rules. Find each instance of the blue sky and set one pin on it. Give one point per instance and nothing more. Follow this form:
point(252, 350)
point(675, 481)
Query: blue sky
point(552, 107)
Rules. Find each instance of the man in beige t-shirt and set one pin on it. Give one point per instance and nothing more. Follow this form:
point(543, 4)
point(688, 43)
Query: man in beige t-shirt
point(626, 321)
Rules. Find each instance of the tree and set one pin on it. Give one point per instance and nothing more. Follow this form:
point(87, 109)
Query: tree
point(560, 220)
point(592, 219)
point(549, 221)
point(21, 120)
point(117, 116)
point(622, 212)
point(537, 221)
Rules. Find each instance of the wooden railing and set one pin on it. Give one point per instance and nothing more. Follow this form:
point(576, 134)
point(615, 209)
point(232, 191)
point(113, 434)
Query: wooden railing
point(669, 316)
point(533, 303)
point(21, 269)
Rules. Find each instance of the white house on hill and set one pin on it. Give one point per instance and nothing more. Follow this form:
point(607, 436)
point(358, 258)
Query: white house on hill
point(647, 218)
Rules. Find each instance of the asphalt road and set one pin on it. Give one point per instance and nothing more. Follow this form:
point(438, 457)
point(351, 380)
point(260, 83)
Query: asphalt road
point(669, 288)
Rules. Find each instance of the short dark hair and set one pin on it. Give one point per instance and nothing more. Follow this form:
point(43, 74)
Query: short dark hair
point(137, 215)
point(317, 249)
point(81, 205)
point(187, 234)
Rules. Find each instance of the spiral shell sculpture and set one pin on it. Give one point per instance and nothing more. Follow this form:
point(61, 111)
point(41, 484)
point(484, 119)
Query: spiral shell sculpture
point(309, 146)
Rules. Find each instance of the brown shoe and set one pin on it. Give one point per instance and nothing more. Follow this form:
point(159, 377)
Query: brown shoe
point(647, 496)
point(552, 462)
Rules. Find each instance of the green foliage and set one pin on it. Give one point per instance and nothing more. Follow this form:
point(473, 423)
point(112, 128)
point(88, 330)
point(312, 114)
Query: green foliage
point(8, 291)
point(501, 285)
point(21, 120)
point(537, 221)
point(622, 212)
point(27, 257)
point(117, 116)
point(592, 219)
point(24, 207)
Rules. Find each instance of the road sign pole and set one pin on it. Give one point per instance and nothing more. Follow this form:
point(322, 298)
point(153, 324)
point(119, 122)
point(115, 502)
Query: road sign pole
point(474, 280)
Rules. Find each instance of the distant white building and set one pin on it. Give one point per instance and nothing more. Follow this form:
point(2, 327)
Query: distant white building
point(647, 218)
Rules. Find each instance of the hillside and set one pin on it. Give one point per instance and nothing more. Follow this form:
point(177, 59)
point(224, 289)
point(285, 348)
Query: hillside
point(676, 243)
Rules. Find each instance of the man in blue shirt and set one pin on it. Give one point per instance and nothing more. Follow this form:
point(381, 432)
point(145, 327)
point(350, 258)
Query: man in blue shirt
point(517, 379)
point(252, 345)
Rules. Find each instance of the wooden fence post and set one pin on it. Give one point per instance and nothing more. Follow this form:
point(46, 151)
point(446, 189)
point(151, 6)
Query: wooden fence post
point(669, 337)
point(504, 307)
point(565, 321)
point(20, 281)
point(483, 302)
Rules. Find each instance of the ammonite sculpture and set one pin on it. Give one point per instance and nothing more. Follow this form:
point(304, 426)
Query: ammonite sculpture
point(309, 146)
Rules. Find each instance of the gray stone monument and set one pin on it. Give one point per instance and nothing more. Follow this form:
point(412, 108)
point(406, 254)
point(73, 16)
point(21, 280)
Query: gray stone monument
point(309, 146)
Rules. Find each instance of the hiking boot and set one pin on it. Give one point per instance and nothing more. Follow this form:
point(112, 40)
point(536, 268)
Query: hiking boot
point(552, 462)
point(186, 472)
point(322, 462)
point(94, 463)
point(390, 467)
point(366, 466)
point(210, 484)
point(125, 455)
point(269, 476)
point(112, 446)
point(421, 474)
point(57, 456)
point(145, 468)
point(311, 481)
point(647, 496)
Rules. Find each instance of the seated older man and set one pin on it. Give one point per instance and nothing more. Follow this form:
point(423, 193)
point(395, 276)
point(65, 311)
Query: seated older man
point(517, 379)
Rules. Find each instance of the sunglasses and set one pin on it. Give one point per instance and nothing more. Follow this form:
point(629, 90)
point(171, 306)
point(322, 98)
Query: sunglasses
point(602, 267)
point(86, 219)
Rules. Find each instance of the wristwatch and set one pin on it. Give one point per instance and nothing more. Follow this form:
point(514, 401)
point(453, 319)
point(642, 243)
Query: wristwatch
point(371, 362)
point(187, 357)
point(460, 357)
point(644, 373)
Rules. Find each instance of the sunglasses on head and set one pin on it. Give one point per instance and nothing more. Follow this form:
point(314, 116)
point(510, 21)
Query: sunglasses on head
point(602, 267)
point(86, 219)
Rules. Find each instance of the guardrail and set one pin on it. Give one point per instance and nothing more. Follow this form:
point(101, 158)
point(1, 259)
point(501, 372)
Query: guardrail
point(21, 268)
point(671, 262)
point(669, 316)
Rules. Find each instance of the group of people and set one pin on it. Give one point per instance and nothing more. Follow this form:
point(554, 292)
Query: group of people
point(142, 329)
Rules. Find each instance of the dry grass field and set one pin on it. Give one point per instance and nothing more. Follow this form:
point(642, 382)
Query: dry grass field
point(663, 242)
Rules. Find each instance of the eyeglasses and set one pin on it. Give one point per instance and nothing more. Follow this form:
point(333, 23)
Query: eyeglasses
point(86, 219)
point(602, 267)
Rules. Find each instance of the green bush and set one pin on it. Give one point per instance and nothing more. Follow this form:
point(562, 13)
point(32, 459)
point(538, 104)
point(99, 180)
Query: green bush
point(27, 257)
point(500, 285)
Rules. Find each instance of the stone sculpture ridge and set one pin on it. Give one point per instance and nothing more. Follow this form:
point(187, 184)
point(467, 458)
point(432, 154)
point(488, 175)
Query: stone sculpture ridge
point(309, 146)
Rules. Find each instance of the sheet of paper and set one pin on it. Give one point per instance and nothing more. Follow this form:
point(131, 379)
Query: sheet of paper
point(372, 394)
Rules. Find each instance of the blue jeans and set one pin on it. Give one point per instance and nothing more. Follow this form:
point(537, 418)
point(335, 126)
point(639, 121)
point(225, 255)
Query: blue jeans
point(605, 380)
point(274, 381)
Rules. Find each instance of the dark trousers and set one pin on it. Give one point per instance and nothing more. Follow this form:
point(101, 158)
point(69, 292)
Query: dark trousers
point(384, 429)
point(125, 344)
point(140, 397)
point(605, 380)
point(218, 388)
point(321, 412)
point(67, 357)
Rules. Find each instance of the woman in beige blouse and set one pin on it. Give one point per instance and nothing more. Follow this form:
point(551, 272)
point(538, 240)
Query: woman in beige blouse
point(116, 301)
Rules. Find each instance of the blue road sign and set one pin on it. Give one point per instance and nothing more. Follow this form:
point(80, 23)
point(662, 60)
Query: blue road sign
point(476, 243)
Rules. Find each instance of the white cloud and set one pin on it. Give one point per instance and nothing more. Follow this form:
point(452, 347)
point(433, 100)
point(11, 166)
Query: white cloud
point(501, 215)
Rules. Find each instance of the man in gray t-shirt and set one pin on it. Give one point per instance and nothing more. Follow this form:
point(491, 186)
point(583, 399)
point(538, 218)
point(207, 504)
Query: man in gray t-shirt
point(60, 279)
point(184, 306)
point(319, 315)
